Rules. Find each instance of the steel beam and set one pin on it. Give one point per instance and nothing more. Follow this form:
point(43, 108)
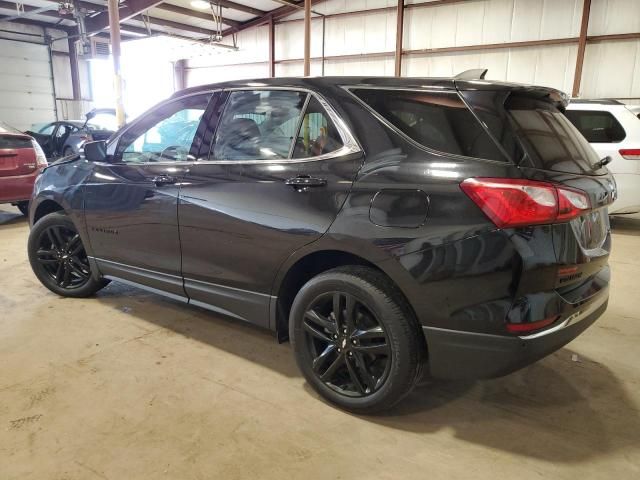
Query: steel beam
point(582, 45)
point(195, 14)
point(130, 9)
point(399, 33)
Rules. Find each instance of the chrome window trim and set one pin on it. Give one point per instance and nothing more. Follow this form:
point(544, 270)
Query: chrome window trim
point(350, 144)
point(415, 143)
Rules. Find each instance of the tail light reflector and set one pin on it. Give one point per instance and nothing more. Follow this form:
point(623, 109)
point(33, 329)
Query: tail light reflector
point(630, 153)
point(41, 159)
point(514, 203)
point(531, 326)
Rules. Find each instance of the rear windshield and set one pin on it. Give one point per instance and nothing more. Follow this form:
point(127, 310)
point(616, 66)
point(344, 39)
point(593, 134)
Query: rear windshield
point(14, 142)
point(550, 139)
point(437, 120)
point(597, 126)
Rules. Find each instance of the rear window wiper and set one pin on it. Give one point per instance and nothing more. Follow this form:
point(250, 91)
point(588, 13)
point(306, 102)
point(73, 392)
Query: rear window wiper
point(605, 161)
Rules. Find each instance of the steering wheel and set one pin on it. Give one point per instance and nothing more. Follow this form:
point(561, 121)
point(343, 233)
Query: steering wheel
point(175, 148)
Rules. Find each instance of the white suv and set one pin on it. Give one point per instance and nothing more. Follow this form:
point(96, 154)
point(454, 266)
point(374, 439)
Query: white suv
point(613, 129)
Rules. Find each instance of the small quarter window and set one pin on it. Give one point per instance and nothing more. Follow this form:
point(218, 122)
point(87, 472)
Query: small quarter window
point(597, 126)
point(438, 120)
point(318, 134)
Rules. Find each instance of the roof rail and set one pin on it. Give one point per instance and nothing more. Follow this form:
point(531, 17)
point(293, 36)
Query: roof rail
point(596, 101)
point(473, 74)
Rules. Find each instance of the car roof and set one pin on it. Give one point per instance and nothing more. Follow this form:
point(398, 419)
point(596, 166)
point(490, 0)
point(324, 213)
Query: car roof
point(383, 82)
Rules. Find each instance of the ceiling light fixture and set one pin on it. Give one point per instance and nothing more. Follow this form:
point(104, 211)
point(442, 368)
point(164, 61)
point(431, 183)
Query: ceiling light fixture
point(200, 4)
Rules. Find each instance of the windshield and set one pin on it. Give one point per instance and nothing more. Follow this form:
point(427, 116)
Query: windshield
point(551, 140)
point(103, 121)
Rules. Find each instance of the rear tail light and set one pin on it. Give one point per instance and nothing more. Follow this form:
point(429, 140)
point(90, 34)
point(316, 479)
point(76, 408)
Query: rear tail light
point(41, 158)
point(630, 153)
point(515, 203)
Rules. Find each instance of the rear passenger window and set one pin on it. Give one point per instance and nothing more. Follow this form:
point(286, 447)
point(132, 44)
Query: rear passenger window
point(439, 121)
point(258, 125)
point(597, 126)
point(318, 134)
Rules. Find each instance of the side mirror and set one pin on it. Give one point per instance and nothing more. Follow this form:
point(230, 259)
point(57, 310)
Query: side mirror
point(95, 151)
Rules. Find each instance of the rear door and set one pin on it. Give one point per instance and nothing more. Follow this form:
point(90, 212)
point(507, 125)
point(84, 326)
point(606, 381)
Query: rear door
point(280, 168)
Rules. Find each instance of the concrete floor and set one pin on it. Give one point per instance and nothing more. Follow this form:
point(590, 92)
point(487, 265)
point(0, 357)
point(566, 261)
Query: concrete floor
point(130, 385)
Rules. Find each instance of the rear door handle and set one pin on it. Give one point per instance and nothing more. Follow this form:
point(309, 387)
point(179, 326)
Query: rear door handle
point(304, 181)
point(161, 180)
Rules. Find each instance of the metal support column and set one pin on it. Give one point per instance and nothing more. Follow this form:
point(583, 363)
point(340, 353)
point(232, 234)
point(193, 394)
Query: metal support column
point(307, 38)
point(114, 29)
point(582, 45)
point(399, 32)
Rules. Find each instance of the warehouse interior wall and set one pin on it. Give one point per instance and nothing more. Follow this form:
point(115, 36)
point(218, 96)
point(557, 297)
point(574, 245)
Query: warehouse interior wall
point(434, 43)
point(60, 72)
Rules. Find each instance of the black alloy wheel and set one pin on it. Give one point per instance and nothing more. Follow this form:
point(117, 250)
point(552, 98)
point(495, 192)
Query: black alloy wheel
point(62, 256)
point(59, 259)
point(355, 339)
point(349, 347)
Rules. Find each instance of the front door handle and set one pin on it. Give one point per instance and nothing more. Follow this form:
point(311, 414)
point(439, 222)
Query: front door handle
point(161, 180)
point(304, 181)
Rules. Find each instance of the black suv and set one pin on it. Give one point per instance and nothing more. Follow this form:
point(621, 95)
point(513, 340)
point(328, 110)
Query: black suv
point(384, 225)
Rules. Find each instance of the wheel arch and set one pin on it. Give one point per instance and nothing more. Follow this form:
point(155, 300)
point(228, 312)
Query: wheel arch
point(45, 207)
point(302, 268)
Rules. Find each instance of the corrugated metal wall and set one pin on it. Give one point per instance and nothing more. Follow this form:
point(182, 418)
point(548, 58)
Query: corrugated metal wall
point(611, 68)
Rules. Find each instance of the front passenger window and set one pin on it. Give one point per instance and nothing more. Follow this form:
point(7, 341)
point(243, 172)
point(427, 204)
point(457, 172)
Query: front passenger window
point(165, 134)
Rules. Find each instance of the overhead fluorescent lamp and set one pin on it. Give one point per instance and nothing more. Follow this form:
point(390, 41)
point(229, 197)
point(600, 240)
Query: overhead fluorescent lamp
point(200, 4)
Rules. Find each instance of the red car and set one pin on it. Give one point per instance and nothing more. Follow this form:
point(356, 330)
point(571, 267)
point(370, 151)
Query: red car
point(21, 160)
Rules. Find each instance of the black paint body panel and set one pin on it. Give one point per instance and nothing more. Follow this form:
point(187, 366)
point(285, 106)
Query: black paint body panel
point(225, 235)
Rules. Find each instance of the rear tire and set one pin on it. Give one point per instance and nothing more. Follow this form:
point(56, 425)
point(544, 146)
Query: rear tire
point(58, 257)
point(23, 207)
point(367, 357)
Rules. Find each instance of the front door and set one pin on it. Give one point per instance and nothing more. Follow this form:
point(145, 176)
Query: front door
point(277, 175)
point(131, 202)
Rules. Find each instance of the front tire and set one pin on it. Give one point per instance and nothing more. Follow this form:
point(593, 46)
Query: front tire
point(58, 257)
point(355, 339)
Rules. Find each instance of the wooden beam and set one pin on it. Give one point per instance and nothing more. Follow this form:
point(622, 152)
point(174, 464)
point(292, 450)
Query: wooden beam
point(307, 37)
point(130, 9)
point(399, 32)
point(195, 14)
point(582, 45)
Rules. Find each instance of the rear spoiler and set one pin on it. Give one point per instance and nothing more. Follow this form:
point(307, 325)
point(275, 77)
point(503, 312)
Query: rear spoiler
point(474, 80)
point(473, 74)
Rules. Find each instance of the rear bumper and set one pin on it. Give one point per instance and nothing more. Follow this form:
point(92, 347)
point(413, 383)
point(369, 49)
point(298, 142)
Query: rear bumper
point(457, 354)
point(18, 188)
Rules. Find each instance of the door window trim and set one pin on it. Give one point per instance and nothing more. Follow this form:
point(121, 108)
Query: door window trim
point(349, 143)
